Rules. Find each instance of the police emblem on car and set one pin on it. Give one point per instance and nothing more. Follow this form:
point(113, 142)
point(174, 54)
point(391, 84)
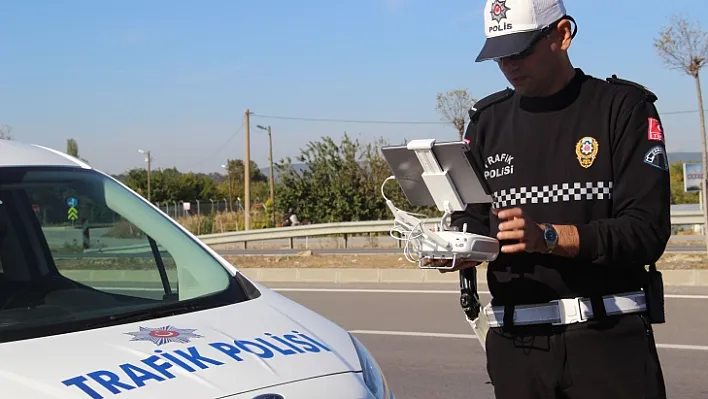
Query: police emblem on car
point(586, 149)
point(164, 335)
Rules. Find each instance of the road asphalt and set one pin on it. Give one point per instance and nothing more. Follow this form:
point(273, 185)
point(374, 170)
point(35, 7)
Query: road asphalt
point(403, 324)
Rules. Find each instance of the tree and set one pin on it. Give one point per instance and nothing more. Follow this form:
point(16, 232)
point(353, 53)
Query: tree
point(170, 185)
point(234, 185)
point(5, 131)
point(454, 107)
point(683, 46)
point(236, 169)
point(72, 148)
point(341, 183)
point(328, 190)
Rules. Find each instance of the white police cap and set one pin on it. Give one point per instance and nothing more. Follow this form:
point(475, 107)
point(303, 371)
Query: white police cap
point(512, 26)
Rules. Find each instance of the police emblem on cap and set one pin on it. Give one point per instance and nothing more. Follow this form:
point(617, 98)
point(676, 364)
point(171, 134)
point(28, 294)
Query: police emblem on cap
point(499, 10)
point(586, 150)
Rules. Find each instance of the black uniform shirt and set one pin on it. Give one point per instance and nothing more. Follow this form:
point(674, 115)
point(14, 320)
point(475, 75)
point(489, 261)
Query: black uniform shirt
point(593, 156)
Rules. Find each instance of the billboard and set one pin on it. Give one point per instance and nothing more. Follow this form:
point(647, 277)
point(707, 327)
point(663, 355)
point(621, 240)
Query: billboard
point(692, 177)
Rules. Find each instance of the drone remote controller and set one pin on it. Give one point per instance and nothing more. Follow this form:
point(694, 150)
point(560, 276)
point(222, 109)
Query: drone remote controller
point(442, 243)
point(467, 245)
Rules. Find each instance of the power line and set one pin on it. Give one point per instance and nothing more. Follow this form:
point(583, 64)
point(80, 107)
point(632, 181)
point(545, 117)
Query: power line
point(311, 119)
point(679, 112)
point(349, 120)
point(221, 147)
point(364, 121)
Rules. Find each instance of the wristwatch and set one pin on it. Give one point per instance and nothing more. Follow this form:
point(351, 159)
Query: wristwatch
point(550, 235)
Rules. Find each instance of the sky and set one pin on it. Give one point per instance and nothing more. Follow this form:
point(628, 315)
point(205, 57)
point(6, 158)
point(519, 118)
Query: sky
point(176, 77)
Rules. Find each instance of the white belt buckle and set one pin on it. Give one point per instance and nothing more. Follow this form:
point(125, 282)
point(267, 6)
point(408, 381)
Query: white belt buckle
point(569, 311)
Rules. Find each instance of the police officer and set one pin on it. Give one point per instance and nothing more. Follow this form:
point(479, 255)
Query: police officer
point(581, 206)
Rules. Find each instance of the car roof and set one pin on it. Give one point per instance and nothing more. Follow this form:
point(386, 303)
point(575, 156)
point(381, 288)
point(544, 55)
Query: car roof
point(15, 153)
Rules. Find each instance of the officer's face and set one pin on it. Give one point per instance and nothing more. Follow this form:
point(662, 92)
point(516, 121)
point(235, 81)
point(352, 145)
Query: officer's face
point(535, 72)
point(528, 73)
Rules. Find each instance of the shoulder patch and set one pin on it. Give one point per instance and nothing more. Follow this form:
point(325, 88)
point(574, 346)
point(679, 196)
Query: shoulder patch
point(656, 157)
point(650, 96)
point(488, 101)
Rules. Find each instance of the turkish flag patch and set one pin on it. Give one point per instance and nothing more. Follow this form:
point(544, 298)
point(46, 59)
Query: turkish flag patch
point(656, 132)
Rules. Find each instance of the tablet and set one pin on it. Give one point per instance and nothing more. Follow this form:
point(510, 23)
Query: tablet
point(465, 171)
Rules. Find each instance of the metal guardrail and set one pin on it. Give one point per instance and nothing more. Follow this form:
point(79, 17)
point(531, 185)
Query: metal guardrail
point(309, 230)
point(350, 228)
point(344, 229)
point(679, 218)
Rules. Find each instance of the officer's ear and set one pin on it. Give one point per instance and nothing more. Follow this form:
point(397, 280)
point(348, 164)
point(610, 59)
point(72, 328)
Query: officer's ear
point(564, 30)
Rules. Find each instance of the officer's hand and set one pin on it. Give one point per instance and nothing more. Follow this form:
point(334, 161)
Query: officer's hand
point(459, 265)
point(515, 226)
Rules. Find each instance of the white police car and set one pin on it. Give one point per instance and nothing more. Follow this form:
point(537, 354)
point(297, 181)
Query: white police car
point(134, 306)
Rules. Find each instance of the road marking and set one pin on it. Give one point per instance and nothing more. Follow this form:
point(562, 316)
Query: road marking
point(385, 291)
point(686, 347)
point(148, 289)
point(678, 296)
point(375, 291)
point(472, 336)
point(414, 334)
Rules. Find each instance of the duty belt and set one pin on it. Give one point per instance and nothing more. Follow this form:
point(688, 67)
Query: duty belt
point(567, 311)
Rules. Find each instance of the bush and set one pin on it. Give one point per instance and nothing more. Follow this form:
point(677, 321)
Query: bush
point(124, 229)
point(223, 222)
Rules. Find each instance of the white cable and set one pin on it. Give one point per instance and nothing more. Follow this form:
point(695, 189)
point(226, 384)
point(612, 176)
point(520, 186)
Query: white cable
point(383, 184)
point(407, 234)
point(436, 242)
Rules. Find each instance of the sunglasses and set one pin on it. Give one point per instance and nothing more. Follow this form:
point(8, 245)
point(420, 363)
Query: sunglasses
point(531, 47)
point(542, 35)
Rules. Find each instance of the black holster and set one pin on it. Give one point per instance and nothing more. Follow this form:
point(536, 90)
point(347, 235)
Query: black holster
point(469, 297)
point(654, 295)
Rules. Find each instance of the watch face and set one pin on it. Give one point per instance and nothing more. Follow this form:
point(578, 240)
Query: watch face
point(551, 235)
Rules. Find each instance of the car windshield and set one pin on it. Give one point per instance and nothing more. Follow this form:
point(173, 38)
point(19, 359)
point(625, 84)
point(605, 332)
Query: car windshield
point(79, 250)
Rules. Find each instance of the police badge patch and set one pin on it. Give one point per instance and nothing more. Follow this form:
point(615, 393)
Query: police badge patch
point(586, 149)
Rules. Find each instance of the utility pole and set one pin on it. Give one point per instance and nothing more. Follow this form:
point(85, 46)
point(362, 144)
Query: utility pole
point(704, 152)
point(272, 176)
point(148, 160)
point(228, 174)
point(247, 174)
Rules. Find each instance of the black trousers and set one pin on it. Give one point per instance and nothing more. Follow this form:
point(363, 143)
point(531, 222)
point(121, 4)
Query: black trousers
point(611, 359)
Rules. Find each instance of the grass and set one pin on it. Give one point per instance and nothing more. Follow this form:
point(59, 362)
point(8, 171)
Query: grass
point(323, 261)
point(138, 263)
point(683, 261)
point(670, 261)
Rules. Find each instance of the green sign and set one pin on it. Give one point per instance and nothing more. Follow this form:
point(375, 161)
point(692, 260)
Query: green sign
point(73, 213)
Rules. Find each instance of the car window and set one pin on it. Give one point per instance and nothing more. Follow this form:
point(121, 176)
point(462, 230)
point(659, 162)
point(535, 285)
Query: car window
point(79, 243)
